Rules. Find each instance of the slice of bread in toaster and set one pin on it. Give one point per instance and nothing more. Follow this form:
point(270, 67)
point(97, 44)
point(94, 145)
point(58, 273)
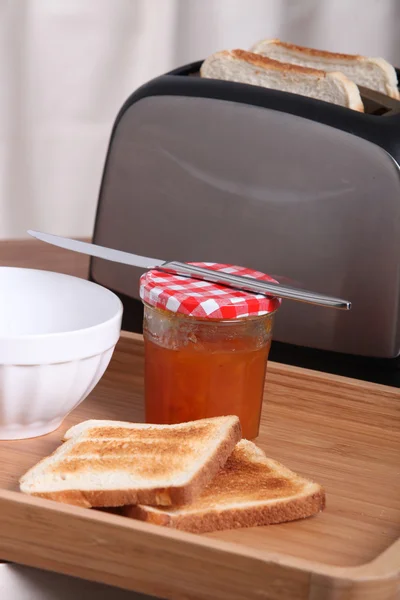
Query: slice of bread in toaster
point(250, 490)
point(251, 68)
point(107, 463)
point(374, 73)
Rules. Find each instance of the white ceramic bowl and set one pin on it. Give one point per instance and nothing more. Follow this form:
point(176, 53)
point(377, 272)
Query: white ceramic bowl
point(57, 336)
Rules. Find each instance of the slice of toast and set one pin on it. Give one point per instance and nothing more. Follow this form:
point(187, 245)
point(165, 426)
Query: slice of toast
point(254, 69)
point(250, 490)
point(107, 463)
point(374, 73)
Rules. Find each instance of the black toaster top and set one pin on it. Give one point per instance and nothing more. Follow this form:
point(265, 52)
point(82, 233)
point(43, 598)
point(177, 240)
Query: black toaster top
point(380, 123)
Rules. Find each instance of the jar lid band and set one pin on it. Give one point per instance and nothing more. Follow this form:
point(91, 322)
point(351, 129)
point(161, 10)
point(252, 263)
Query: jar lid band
point(203, 299)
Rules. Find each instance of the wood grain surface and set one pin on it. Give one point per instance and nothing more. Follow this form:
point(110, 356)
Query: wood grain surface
point(33, 254)
point(342, 433)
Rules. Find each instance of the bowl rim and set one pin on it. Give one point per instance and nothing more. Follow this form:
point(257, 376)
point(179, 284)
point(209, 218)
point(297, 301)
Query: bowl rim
point(102, 289)
point(93, 338)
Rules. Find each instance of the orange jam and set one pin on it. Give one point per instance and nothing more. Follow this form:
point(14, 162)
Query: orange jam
point(197, 368)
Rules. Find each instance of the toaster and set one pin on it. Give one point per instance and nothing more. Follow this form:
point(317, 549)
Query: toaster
point(307, 191)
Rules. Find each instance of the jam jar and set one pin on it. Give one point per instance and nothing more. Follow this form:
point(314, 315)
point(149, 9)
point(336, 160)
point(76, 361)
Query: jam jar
point(206, 348)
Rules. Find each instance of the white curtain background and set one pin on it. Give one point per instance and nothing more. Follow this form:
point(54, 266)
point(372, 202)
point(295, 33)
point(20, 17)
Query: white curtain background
point(66, 67)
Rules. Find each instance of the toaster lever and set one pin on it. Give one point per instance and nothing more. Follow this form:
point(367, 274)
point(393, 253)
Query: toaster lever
point(376, 103)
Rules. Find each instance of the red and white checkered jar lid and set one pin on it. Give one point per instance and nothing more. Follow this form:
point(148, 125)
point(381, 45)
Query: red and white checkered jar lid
point(204, 299)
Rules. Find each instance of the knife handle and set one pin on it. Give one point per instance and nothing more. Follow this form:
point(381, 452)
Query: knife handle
point(248, 284)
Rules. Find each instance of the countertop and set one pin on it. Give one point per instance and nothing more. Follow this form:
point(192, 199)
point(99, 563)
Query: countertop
point(33, 254)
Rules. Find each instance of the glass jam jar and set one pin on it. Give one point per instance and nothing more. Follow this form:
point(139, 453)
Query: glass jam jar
point(206, 349)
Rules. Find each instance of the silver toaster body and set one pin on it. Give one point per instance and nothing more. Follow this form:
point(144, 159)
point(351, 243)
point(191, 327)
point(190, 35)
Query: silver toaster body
point(200, 170)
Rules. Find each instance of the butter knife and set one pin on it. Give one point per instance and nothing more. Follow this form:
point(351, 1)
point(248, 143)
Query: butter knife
point(248, 284)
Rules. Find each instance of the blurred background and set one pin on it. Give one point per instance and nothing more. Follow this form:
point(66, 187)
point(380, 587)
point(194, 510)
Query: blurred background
point(66, 67)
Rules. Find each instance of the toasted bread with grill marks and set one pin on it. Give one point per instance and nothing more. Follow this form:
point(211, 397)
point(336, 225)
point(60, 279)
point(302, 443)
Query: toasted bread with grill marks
point(107, 463)
point(250, 490)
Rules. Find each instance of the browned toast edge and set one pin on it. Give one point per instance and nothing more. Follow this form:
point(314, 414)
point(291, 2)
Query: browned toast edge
point(313, 51)
point(246, 516)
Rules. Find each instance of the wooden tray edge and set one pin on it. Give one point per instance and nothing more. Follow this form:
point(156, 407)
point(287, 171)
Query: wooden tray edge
point(20, 511)
point(27, 522)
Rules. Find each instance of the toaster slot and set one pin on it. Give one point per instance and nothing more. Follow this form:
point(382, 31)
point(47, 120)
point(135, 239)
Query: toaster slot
point(375, 103)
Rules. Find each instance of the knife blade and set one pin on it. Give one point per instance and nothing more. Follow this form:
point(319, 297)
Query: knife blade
point(118, 256)
point(240, 282)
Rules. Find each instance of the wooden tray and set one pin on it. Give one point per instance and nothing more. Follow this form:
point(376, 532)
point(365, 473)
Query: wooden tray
point(343, 433)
